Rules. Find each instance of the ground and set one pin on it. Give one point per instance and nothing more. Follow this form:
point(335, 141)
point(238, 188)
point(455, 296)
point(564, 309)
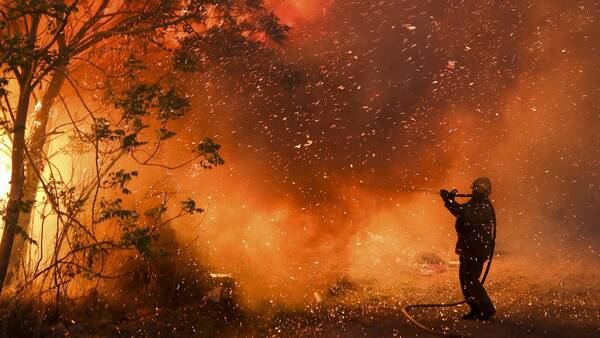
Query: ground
point(556, 300)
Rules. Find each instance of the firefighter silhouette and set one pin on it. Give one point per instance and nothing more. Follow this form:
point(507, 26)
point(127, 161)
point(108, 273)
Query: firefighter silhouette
point(475, 223)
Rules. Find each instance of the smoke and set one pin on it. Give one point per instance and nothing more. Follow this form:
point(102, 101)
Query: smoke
point(325, 139)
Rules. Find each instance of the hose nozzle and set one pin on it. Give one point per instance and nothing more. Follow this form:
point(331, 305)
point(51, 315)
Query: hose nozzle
point(452, 194)
point(455, 193)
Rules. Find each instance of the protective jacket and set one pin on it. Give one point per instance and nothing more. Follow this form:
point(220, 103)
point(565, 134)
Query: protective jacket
point(475, 221)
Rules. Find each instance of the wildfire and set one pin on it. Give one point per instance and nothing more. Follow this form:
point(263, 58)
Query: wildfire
point(295, 11)
point(4, 169)
point(4, 173)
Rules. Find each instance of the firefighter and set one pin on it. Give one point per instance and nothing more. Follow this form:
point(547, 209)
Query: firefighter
point(475, 222)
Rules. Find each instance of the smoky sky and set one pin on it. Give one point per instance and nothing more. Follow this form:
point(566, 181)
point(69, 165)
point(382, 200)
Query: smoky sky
point(389, 96)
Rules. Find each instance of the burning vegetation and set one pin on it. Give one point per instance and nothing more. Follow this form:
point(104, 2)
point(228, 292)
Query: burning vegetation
point(271, 168)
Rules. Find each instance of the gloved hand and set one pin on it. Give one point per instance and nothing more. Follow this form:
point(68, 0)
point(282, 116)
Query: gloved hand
point(448, 195)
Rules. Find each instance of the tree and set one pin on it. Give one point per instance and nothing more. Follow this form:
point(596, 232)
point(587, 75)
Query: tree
point(43, 43)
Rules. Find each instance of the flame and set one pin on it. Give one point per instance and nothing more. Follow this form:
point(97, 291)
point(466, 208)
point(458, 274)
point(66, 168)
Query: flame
point(292, 12)
point(5, 165)
point(63, 162)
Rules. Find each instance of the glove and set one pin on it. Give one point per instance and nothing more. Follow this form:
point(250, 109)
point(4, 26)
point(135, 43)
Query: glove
point(448, 195)
point(453, 193)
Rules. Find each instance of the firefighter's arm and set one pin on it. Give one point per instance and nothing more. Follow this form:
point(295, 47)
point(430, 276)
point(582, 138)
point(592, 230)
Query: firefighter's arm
point(449, 201)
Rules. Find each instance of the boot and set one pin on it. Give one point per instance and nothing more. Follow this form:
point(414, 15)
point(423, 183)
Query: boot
point(471, 315)
point(487, 314)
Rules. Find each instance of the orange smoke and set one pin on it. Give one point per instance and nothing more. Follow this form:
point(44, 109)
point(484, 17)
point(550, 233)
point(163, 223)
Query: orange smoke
point(323, 143)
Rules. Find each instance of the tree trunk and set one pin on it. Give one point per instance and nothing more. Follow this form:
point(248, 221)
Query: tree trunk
point(20, 245)
point(14, 204)
point(37, 151)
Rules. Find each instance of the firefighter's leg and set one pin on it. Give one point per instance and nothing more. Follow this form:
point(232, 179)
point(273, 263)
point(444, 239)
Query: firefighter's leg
point(464, 275)
point(472, 270)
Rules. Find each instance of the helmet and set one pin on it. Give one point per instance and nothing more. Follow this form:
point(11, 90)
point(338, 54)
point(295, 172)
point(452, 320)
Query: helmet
point(482, 185)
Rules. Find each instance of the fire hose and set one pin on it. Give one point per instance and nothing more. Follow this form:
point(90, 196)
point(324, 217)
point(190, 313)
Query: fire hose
point(407, 308)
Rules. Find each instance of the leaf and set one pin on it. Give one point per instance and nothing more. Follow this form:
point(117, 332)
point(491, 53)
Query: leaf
point(209, 150)
point(130, 142)
point(172, 106)
point(120, 179)
point(164, 134)
point(273, 28)
point(188, 206)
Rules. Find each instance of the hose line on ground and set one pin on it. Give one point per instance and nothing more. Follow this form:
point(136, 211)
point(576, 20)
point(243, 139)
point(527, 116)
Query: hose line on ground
point(434, 305)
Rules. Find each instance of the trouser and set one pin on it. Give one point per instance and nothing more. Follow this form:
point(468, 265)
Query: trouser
point(469, 272)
